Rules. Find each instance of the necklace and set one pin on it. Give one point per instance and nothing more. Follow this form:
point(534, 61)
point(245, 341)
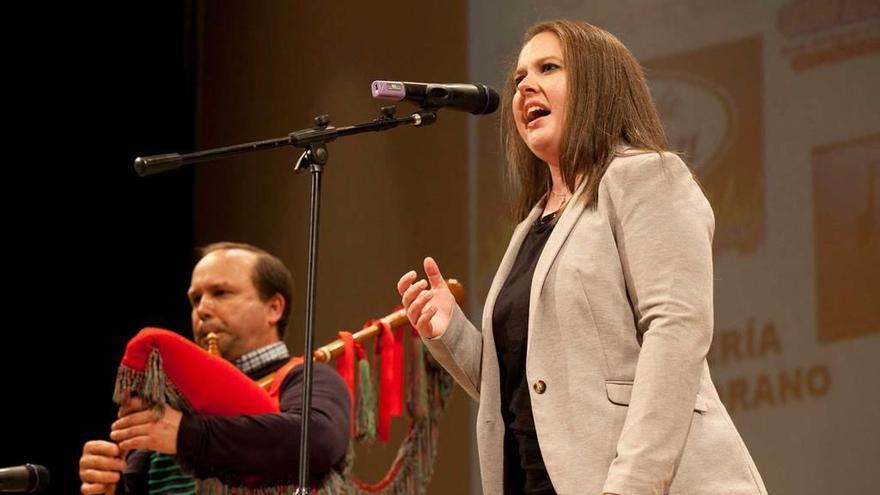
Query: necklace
point(564, 195)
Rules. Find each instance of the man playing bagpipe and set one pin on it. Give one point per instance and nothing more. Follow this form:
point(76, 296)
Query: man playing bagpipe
point(241, 294)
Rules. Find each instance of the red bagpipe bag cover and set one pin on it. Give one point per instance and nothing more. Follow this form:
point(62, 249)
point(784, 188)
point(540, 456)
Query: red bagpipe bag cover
point(161, 367)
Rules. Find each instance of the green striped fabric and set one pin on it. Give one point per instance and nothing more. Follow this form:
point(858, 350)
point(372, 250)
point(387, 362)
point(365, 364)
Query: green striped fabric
point(166, 478)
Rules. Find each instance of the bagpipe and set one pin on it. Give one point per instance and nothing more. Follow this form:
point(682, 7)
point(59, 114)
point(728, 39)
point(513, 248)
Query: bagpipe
point(161, 367)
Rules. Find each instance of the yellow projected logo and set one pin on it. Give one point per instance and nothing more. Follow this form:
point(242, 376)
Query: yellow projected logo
point(701, 96)
point(846, 224)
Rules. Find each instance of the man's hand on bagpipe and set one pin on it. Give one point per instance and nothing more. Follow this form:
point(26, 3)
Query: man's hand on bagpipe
point(100, 466)
point(140, 427)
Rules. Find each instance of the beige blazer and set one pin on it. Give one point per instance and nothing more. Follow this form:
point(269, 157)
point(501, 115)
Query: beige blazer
point(620, 321)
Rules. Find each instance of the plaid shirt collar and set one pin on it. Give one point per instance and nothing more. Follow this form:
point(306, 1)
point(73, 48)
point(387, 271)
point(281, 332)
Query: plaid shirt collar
point(259, 358)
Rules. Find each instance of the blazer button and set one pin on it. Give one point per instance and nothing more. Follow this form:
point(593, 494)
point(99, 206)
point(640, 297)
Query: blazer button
point(540, 386)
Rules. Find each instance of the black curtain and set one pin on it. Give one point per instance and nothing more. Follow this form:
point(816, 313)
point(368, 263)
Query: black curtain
point(92, 251)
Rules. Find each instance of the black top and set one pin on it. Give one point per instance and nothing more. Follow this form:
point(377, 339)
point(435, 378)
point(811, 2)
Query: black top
point(524, 471)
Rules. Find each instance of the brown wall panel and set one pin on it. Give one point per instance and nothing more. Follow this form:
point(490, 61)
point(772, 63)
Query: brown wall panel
point(267, 68)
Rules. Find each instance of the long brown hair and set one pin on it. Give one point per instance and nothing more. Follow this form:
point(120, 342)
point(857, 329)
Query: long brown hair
point(609, 104)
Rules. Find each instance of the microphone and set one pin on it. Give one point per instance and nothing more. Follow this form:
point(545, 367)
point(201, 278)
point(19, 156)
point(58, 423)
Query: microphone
point(477, 99)
point(29, 478)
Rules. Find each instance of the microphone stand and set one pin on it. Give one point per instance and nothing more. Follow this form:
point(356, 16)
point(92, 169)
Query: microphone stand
point(314, 140)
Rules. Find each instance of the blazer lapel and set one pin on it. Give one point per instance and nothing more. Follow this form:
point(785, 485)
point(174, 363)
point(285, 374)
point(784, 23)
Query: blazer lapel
point(557, 238)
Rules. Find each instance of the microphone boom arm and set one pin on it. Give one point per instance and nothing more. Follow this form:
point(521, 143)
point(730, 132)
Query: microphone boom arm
point(321, 133)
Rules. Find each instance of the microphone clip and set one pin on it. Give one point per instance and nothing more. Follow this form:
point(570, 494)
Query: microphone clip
point(387, 113)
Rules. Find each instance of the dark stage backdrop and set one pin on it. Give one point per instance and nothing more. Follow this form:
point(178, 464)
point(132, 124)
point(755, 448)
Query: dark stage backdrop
point(92, 252)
